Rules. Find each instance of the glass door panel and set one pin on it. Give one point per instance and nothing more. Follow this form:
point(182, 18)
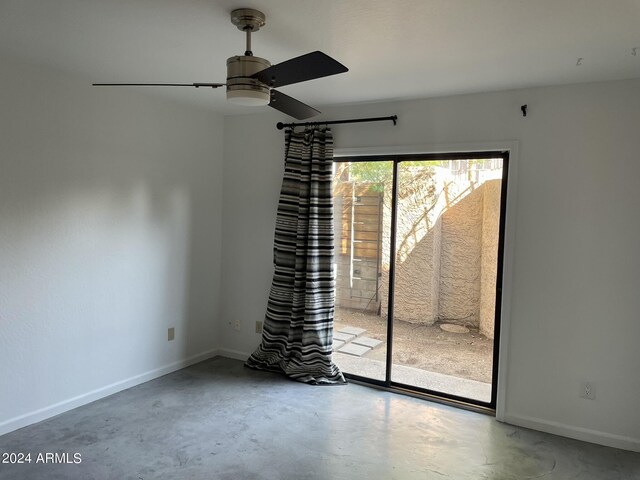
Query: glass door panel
point(362, 216)
point(447, 235)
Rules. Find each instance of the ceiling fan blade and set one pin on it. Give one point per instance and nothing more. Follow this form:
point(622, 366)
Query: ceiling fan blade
point(291, 106)
point(300, 69)
point(197, 85)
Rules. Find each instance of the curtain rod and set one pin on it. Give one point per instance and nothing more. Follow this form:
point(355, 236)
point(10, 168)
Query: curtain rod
point(281, 125)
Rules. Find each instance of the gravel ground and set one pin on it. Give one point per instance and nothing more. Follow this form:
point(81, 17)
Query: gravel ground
point(464, 355)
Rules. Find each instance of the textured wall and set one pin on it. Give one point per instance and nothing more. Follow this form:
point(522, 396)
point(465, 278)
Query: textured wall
point(441, 239)
point(417, 244)
point(417, 282)
point(460, 260)
point(489, 263)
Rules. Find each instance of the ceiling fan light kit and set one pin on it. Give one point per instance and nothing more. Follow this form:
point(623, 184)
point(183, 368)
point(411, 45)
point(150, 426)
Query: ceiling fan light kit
point(249, 97)
point(241, 88)
point(251, 80)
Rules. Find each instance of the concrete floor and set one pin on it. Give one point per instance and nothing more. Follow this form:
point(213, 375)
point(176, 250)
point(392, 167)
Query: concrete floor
point(218, 420)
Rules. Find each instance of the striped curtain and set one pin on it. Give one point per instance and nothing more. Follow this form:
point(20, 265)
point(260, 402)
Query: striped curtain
point(297, 335)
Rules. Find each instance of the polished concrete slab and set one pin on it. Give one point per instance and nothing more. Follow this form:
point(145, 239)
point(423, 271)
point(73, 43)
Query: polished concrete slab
point(219, 420)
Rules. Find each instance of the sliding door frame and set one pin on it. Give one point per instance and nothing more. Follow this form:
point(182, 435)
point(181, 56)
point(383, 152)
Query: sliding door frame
point(388, 384)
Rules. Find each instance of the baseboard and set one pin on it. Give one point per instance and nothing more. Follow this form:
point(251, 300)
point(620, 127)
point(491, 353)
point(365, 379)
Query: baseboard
point(66, 405)
point(235, 354)
point(578, 433)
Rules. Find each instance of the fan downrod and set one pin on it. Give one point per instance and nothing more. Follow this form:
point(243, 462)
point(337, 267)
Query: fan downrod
point(248, 20)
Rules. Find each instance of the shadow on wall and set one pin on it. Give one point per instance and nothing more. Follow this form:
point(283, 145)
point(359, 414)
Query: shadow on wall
point(106, 252)
point(448, 272)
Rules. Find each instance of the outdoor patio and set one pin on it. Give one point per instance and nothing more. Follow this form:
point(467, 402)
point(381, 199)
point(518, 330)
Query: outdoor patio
point(424, 355)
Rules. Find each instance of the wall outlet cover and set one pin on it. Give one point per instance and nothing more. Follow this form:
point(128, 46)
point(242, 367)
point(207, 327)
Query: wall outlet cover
point(171, 333)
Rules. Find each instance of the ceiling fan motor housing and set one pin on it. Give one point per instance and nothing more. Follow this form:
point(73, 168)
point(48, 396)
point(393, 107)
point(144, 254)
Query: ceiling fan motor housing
point(241, 88)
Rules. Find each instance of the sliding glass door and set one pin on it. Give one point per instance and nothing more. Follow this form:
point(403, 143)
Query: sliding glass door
point(361, 246)
point(419, 243)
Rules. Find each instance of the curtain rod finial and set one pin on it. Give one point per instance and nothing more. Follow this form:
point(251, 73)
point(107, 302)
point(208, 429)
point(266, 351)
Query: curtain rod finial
point(279, 125)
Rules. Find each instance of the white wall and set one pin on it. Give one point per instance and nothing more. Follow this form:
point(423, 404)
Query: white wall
point(573, 263)
point(110, 212)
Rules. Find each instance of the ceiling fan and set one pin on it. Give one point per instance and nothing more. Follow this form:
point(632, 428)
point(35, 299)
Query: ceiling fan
point(252, 80)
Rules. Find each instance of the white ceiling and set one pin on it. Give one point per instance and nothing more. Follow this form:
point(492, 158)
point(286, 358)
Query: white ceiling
point(394, 49)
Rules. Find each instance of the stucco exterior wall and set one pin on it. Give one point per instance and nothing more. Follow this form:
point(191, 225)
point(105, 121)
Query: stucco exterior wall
point(417, 285)
point(489, 267)
point(460, 260)
point(447, 253)
point(417, 244)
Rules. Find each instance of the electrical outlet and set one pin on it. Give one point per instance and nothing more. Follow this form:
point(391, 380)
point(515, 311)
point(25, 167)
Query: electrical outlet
point(236, 324)
point(171, 333)
point(588, 390)
point(258, 326)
